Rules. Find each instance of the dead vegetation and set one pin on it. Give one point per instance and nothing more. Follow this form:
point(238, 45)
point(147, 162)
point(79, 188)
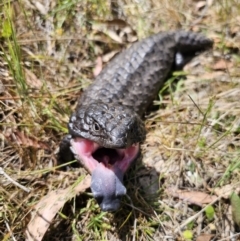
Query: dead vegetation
point(186, 184)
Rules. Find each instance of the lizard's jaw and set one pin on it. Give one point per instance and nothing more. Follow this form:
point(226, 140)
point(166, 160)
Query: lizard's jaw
point(91, 154)
point(107, 167)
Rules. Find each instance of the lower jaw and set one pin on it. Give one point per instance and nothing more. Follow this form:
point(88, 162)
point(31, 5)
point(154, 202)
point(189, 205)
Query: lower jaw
point(107, 175)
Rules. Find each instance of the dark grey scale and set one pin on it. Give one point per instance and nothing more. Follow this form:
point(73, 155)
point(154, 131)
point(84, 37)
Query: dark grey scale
point(120, 108)
point(105, 93)
point(115, 97)
point(88, 120)
point(147, 46)
point(109, 85)
point(129, 67)
point(101, 122)
point(115, 81)
point(119, 131)
point(127, 121)
point(90, 112)
point(85, 126)
point(109, 101)
point(108, 116)
point(112, 109)
point(73, 118)
point(81, 114)
point(96, 113)
point(136, 59)
point(125, 91)
point(129, 86)
point(118, 96)
point(120, 78)
point(141, 54)
point(110, 126)
point(124, 74)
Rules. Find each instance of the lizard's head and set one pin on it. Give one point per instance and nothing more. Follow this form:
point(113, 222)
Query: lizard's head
point(106, 141)
point(113, 127)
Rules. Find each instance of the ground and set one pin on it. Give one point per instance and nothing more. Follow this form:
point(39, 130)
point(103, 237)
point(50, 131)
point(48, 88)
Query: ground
point(185, 185)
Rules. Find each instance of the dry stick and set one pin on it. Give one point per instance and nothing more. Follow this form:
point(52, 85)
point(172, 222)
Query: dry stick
point(232, 236)
point(195, 216)
point(10, 231)
point(135, 228)
point(135, 219)
point(135, 208)
point(12, 181)
point(160, 223)
point(26, 41)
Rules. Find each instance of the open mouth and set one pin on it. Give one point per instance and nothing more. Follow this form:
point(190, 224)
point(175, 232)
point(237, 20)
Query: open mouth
point(91, 154)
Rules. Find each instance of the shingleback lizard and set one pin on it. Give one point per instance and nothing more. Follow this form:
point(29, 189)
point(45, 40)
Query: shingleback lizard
point(106, 129)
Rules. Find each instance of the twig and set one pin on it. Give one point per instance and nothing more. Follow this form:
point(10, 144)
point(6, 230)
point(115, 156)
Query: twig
point(135, 219)
point(195, 216)
point(232, 236)
point(12, 181)
point(9, 230)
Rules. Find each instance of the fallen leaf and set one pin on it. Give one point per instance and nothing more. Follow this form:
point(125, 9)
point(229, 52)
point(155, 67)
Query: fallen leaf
point(222, 64)
point(107, 57)
point(109, 32)
point(46, 209)
point(193, 197)
point(212, 227)
point(204, 237)
point(117, 30)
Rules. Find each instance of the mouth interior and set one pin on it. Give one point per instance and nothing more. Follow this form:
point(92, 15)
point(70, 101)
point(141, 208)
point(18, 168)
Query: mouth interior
point(91, 155)
point(107, 156)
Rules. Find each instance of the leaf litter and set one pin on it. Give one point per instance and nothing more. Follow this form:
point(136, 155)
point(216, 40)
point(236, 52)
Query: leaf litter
point(192, 139)
point(47, 208)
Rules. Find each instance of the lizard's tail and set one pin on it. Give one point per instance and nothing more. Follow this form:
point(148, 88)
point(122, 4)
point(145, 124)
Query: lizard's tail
point(187, 45)
point(192, 42)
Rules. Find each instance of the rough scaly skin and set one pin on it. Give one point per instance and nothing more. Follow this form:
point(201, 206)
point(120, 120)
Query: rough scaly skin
point(109, 112)
point(128, 84)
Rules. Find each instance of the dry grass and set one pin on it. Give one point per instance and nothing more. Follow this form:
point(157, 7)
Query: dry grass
point(48, 52)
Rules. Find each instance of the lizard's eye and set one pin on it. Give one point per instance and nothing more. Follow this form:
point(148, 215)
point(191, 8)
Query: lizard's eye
point(96, 127)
